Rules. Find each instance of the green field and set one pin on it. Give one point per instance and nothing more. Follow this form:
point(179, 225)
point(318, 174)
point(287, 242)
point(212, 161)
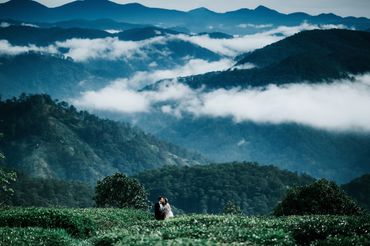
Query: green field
point(40, 226)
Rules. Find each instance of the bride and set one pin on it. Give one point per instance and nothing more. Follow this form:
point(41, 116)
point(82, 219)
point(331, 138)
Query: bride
point(167, 209)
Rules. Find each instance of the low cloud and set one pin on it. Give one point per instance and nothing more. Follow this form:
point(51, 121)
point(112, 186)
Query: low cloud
point(101, 48)
point(248, 25)
point(340, 105)
point(122, 96)
point(237, 45)
point(7, 49)
point(82, 50)
point(192, 67)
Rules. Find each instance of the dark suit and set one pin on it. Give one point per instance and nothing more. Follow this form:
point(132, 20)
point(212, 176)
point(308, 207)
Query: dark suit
point(159, 215)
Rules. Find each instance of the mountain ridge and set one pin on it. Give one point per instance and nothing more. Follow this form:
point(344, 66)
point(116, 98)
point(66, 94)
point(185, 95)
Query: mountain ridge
point(314, 56)
point(140, 14)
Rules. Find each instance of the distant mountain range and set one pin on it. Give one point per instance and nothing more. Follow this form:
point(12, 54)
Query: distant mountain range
point(61, 76)
point(312, 56)
point(234, 22)
point(50, 139)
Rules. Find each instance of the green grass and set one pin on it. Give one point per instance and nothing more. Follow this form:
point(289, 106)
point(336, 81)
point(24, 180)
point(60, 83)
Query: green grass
point(133, 227)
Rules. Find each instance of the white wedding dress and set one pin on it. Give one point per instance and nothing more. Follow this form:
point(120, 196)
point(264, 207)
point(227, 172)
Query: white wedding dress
point(167, 211)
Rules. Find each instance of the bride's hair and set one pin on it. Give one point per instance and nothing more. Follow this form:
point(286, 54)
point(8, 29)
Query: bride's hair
point(165, 200)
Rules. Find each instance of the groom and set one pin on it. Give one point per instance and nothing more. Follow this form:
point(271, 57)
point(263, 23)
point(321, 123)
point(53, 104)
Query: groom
point(158, 209)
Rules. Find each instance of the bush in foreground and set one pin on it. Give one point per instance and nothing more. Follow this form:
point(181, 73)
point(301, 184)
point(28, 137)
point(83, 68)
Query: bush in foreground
point(34, 236)
point(73, 223)
point(321, 197)
point(120, 191)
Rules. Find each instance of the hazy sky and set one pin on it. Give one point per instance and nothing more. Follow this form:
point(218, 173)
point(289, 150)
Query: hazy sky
point(339, 7)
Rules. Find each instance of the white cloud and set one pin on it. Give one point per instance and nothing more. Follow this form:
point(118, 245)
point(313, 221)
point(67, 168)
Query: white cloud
point(29, 25)
point(113, 31)
point(341, 105)
point(248, 25)
point(192, 67)
point(4, 24)
point(7, 49)
point(237, 45)
point(115, 97)
point(102, 48)
point(122, 92)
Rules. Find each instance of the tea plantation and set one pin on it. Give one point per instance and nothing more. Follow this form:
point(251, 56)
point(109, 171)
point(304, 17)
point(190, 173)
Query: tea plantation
point(41, 226)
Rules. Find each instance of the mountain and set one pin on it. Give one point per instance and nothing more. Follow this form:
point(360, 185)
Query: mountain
point(24, 35)
point(313, 56)
point(50, 139)
point(359, 189)
point(38, 73)
point(207, 189)
point(240, 21)
point(101, 24)
point(138, 34)
point(60, 75)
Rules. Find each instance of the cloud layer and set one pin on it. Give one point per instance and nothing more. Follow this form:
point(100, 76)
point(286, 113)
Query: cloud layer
point(82, 50)
point(237, 45)
point(341, 105)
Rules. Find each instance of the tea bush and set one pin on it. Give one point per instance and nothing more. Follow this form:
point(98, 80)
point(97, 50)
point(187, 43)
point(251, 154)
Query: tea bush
point(34, 236)
point(137, 227)
point(73, 223)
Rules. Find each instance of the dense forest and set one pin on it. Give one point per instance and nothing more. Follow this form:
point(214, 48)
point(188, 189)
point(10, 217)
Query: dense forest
point(198, 189)
point(40, 192)
point(51, 139)
point(206, 189)
point(359, 189)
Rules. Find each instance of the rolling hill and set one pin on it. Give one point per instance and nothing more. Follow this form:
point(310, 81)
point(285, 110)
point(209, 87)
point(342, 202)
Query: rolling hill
point(50, 139)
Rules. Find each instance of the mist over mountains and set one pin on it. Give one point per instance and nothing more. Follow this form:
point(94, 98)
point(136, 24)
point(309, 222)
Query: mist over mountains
point(290, 90)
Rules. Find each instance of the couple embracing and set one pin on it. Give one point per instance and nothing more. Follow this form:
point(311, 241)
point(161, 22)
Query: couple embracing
point(162, 209)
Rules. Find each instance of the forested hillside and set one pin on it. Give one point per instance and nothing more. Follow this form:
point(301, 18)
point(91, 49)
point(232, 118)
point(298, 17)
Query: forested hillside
point(51, 139)
point(206, 189)
point(313, 56)
point(359, 189)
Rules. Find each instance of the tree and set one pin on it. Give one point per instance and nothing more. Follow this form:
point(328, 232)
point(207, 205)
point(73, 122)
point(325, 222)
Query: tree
point(232, 208)
point(120, 191)
point(359, 190)
point(6, 178)
point(321, 197)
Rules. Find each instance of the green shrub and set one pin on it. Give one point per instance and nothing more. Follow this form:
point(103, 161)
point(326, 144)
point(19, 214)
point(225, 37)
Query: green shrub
point(121, 191)
point(74, 224)
point(321, 197)
point(232, 208)
point(319, 228)
point(34, 236)
point(344, 241)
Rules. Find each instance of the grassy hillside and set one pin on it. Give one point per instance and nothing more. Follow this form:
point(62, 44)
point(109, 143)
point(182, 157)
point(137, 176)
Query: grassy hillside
point(206, 189)
point(130, 227)
point(50, 139)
